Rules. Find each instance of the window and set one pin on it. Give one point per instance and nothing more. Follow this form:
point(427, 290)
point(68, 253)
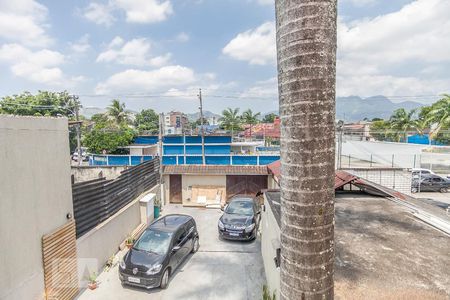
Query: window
point(437, 179)
point(181, 235)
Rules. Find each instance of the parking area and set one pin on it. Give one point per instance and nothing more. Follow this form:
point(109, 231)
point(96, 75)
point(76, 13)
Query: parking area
point(219, 270)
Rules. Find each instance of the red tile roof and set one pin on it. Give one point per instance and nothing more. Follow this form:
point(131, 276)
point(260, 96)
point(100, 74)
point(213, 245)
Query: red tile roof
point(216, 170)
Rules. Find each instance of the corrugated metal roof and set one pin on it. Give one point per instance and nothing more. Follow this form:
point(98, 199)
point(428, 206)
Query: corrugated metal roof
point(341, 178)
point(217, 170)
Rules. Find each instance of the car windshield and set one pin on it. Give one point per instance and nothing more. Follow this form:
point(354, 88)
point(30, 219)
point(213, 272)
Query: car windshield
point(154, 241)
point(240, 208)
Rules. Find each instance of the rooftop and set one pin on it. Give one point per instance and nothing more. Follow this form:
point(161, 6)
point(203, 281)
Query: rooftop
point(382, 251)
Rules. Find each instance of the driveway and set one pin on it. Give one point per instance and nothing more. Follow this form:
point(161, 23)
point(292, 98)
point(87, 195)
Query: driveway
point(219, 270)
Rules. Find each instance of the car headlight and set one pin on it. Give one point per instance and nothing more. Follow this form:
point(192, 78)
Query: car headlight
point(221, 226)
point(250, 228)
point(122, 264)
point(152, 270)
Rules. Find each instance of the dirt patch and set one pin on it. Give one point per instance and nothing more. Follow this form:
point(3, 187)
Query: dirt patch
point(345, 290)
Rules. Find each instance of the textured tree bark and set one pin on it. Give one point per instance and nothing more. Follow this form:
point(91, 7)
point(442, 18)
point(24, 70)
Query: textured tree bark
point(306, 49)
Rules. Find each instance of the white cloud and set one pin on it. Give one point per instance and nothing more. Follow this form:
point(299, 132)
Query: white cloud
point(39, 66)
point(138, 81)
point(257, 46)
point(99, 13)
point(82, 45)
point(136, 11)
point(360, 3)
point(182, 37)
point(135, 52)
point(266, 2)
point(264, 89)
point(145, 11)
point(24, 21)
point(390, 54)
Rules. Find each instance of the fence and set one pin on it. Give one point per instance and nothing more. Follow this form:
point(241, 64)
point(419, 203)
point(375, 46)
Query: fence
point(96, 200)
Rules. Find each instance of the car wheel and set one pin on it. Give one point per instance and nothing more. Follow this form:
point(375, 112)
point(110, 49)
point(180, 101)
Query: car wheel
point(165, 279)
point(414, 190)
point(196, 245)
point(443, 190)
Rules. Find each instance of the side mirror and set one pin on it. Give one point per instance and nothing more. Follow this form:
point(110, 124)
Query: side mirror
point(176, 248)
point(258, 212)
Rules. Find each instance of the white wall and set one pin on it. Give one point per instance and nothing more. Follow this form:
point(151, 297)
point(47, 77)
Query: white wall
point(35, 196)
point(85, 173)
point(204, 180)
point(270, 241)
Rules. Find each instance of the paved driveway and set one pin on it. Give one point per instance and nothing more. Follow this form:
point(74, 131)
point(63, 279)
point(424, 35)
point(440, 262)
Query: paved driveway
point(219, 270)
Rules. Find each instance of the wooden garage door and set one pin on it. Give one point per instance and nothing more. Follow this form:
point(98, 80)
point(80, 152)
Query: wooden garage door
point(175, 189)
point(245, 184)
point(59, 255)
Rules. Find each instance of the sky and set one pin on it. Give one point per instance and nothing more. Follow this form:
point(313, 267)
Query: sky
point(158, 53)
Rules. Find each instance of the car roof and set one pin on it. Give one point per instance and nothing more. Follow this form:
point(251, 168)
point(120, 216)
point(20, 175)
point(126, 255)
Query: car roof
point(170, 222)
point(242, 198)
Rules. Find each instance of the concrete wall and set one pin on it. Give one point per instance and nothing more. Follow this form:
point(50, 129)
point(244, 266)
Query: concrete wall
point(270, 241)
point(85, 173)
point(35, 198)
point(95, 247)
point(188, 181)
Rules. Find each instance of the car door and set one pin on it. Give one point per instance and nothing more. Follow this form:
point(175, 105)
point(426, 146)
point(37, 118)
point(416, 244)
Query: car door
point(177, 251)
point(438, 183)
point(426, 185)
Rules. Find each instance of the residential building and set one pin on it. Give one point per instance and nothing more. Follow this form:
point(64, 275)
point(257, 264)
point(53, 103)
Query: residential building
point(175, 122)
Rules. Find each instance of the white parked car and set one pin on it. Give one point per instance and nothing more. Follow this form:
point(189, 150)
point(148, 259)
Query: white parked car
point(418, 172)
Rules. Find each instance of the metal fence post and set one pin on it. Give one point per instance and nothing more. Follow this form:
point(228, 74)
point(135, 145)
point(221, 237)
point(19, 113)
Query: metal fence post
point(349, 160)
point(392, 160)
point(371, 160)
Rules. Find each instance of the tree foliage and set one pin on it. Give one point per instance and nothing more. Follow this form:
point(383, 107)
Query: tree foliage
point(230, 119)
point(269, 118)
point(44, 103)
point(147, 120)
point(433, 120)
point(117, 112)
point(108, 136)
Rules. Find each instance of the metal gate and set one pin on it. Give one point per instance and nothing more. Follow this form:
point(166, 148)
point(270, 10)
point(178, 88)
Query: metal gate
point(59, 255)
point(245, 184)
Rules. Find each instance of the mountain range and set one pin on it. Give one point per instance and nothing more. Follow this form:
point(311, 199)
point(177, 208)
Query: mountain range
point(355, 108)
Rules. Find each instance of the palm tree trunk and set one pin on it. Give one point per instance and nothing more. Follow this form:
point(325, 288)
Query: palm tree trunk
point(306, 45)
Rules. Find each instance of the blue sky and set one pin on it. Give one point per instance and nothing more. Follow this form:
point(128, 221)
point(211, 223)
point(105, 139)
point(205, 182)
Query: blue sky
point(157, 53)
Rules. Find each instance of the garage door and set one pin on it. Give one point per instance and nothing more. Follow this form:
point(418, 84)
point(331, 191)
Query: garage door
point(245, 184)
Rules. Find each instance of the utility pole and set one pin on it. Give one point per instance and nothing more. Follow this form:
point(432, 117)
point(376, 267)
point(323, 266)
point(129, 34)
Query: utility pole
point(78, 128)
point(160, 152)
point(201, 124)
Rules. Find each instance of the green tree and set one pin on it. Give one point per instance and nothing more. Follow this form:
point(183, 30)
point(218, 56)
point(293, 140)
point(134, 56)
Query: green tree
point(44, 103)
point(108, 136)
point(117, 112)
point(439, 115)
point(248, 117)
point(230, 120)
point(306, 53)
point(403, 121)
point(269, 118)
point(147, 120)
